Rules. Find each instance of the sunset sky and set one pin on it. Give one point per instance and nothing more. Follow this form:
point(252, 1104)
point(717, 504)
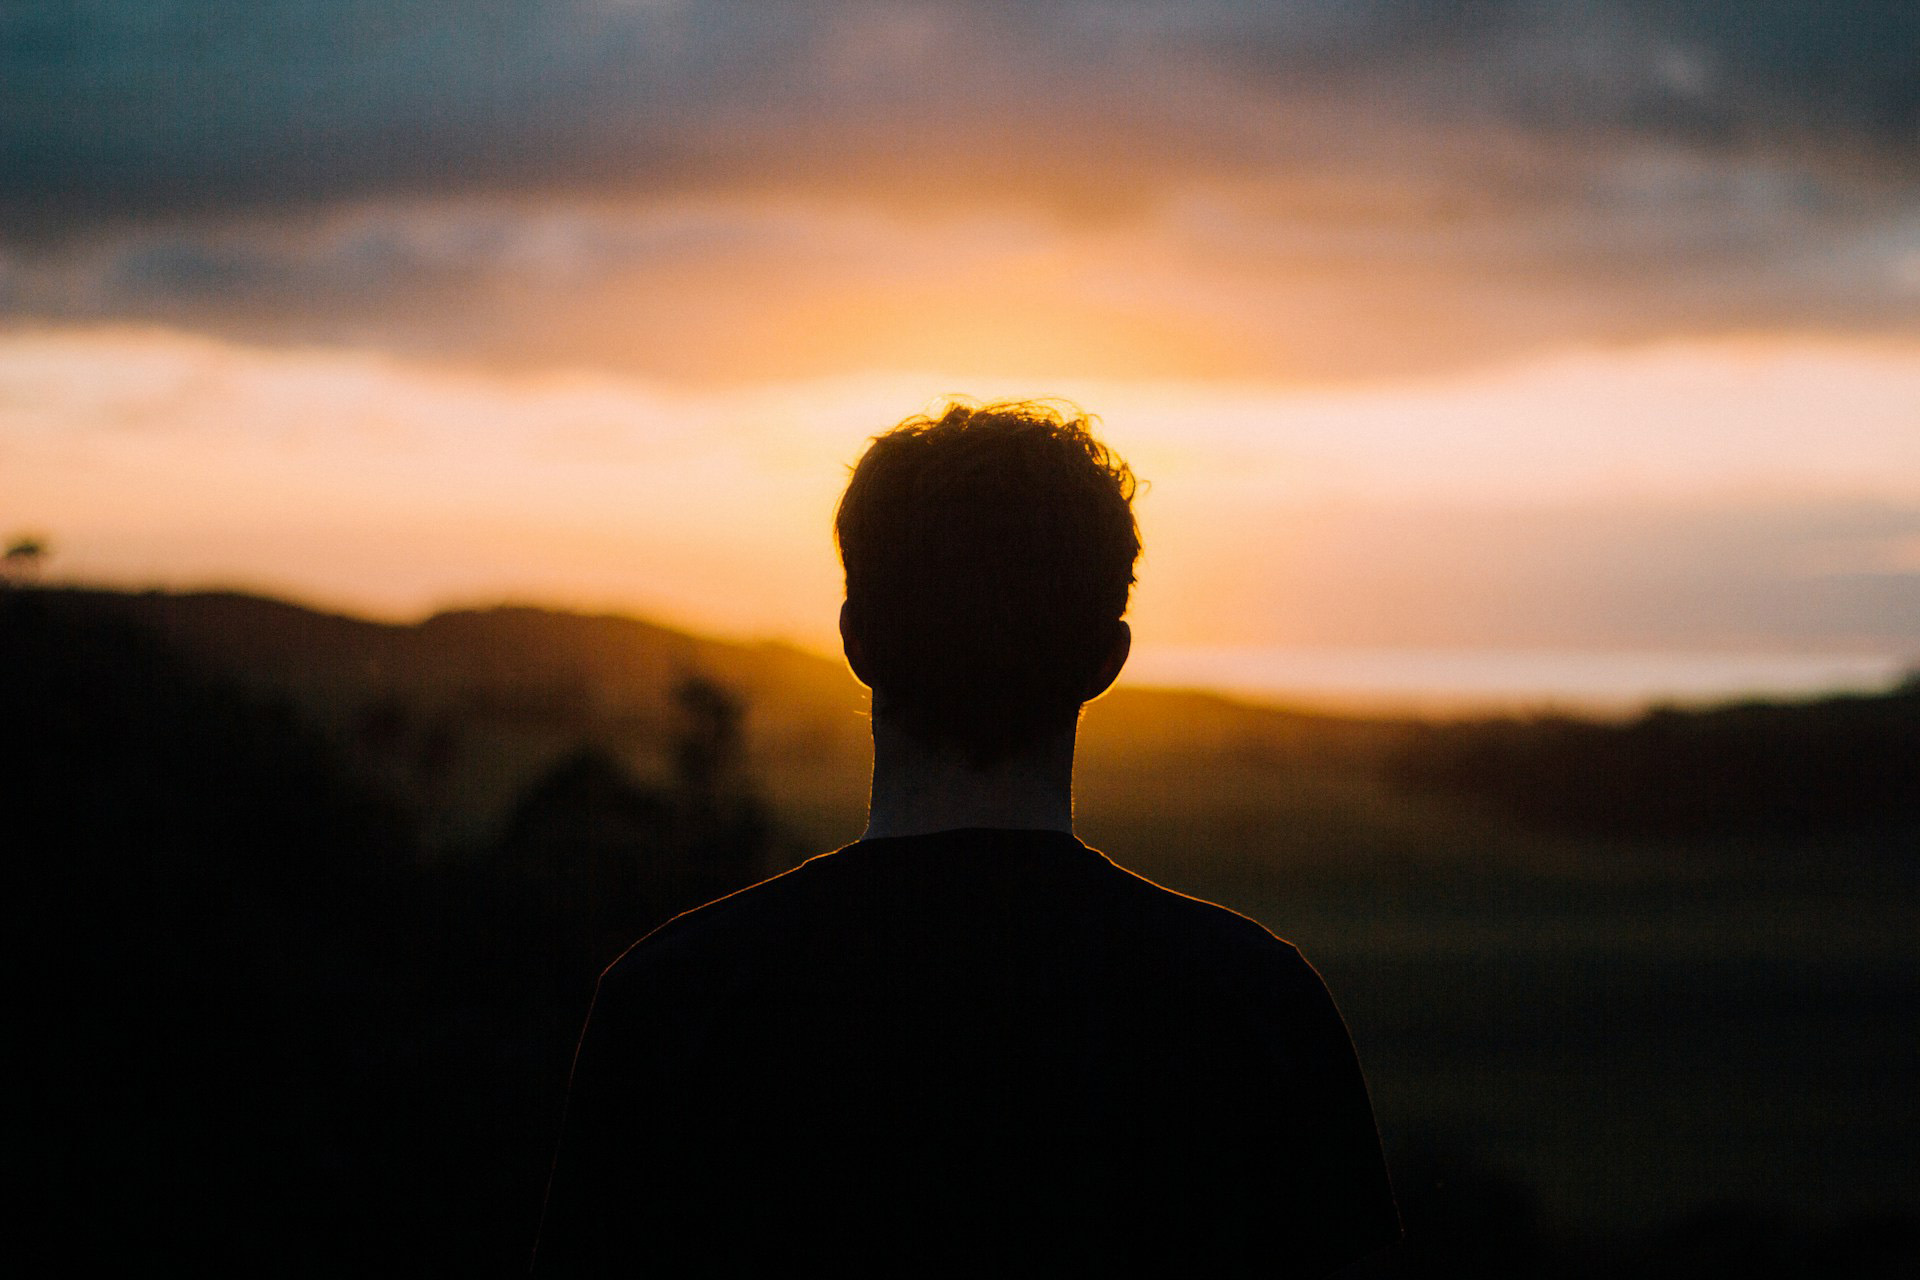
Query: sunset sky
point(1464, 344)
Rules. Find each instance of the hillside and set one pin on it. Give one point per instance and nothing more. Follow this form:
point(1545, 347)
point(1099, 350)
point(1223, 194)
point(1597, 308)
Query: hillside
point(465, 709)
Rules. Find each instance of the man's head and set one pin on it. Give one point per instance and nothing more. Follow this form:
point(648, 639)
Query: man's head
point(989, 553)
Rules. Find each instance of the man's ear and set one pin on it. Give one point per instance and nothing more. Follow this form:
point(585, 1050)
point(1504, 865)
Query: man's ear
point(850, 644)
point(1116, 658)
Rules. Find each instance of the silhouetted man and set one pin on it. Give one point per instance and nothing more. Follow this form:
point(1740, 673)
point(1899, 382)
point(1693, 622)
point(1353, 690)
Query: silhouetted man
point(968, 1043)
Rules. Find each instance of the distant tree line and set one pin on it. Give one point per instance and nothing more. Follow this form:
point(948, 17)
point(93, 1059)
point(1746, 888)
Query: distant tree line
point(1845, 767)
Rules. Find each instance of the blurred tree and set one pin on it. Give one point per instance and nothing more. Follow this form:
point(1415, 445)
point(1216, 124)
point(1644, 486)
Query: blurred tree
point(707, 750)
point(25, 560)
point(611, 855)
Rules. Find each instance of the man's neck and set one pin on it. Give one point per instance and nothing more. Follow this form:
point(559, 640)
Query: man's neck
point(918, 788)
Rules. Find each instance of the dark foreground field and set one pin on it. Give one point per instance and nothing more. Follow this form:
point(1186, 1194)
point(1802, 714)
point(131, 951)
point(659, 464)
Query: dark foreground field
point(309, 910)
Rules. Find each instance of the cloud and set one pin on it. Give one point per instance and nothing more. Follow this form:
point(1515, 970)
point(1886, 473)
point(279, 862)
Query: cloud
point(120, 109)
point(1313, 274)
point(735, 190)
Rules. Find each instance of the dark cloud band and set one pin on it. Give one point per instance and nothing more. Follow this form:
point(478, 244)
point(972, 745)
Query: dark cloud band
point(131, 109)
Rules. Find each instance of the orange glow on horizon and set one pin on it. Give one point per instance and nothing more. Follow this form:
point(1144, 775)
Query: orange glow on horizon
point(1388, 515)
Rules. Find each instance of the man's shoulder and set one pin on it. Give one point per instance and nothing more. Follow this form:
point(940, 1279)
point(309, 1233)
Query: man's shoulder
point(1206, 934)
point(722, 924)
point(1016, 996)
point(1199, 917)
point(1062, 882)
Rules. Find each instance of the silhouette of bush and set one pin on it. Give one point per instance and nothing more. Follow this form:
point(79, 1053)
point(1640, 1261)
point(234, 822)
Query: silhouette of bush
point(611, 857)
point(261, 1032)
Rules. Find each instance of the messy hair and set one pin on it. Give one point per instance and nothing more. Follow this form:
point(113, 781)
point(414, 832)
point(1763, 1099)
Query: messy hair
point(989, 553)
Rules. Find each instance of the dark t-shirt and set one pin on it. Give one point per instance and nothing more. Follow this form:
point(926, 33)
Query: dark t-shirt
point(984, 1051)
